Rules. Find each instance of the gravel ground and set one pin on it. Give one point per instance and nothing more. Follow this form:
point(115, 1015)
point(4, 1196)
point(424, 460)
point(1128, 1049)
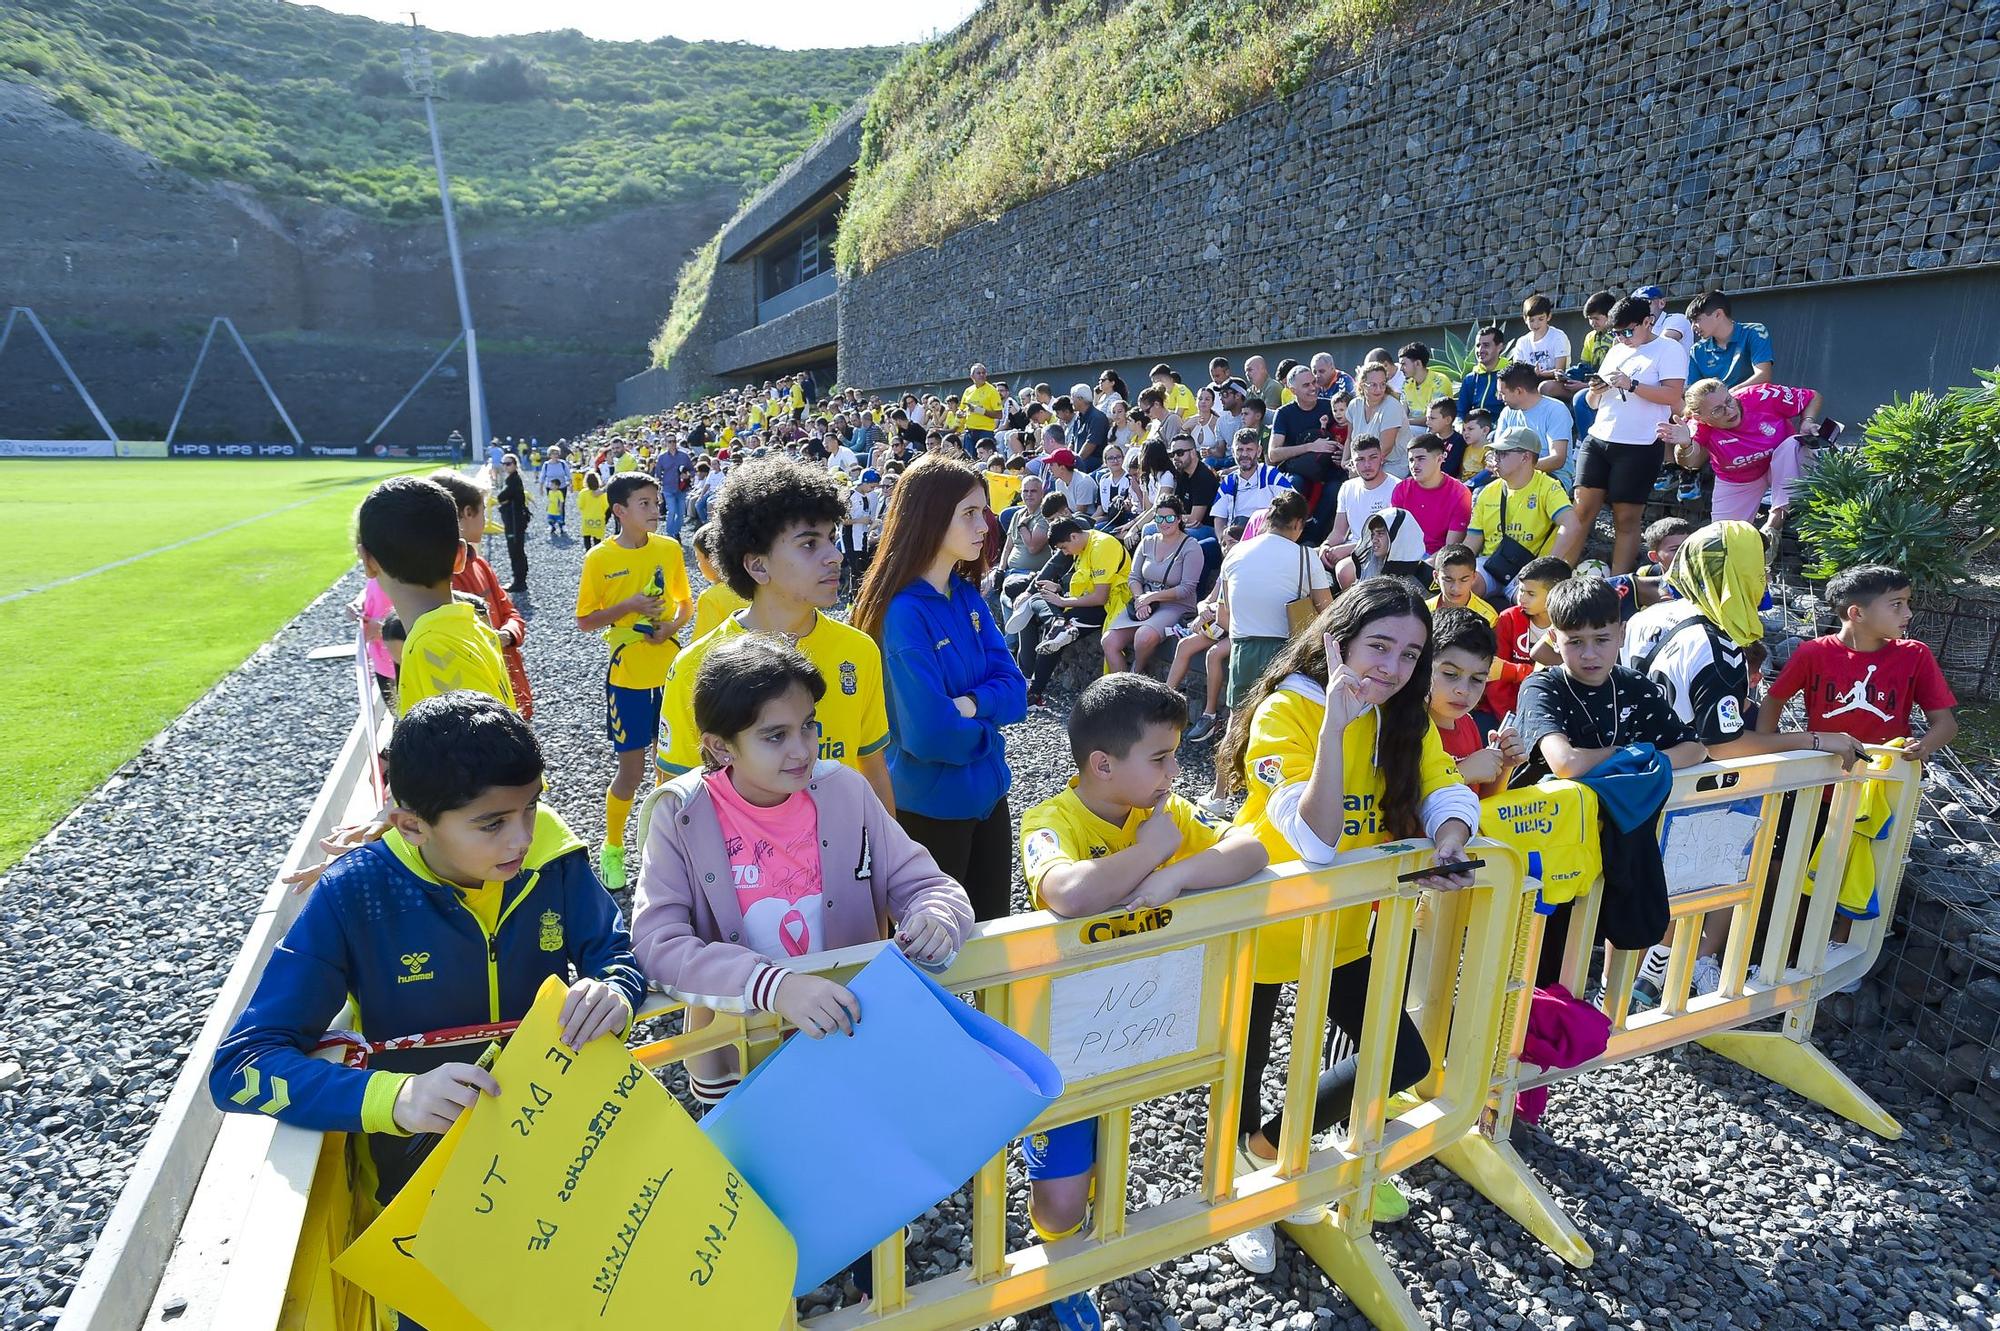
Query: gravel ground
point(1711, 1198)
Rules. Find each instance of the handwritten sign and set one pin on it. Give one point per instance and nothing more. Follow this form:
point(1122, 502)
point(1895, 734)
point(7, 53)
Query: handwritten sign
point(1117, 1017)
point(382, 1260)
point(585, 1196)
point(1710, 847)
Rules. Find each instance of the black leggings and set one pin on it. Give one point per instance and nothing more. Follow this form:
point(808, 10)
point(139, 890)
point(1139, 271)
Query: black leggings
point(978, 852)
point(1346, 1003)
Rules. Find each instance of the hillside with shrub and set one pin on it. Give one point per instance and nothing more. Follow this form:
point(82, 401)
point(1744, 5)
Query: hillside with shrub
point(300, 103)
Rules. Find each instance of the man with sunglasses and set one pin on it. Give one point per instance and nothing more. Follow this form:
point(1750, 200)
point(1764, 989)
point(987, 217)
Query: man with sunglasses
point(1636, 389)
point(1196, 486)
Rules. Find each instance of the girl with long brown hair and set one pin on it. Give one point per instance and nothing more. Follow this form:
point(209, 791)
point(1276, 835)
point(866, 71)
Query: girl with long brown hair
point(951, 682)
point(1336, 747)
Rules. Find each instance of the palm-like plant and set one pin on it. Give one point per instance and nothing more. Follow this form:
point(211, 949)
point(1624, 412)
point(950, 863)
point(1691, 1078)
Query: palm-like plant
point(1456, 357)
point(1922, 492)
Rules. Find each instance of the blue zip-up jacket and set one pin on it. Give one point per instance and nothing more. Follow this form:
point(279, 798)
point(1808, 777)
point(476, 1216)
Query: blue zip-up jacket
point(934, 649)
point(380, 927)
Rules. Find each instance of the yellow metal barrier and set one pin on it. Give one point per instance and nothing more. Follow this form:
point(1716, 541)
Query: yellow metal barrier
point(1467, 990)
point(1794, 965)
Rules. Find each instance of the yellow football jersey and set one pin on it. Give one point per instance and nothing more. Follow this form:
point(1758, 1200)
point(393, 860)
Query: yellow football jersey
point(853, 716)
point(1284, 744)
point(612, 572)
point(451, 648)
point(1063, 830)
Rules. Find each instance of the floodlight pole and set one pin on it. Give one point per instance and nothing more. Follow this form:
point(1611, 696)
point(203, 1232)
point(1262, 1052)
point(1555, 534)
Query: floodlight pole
point(417, 73)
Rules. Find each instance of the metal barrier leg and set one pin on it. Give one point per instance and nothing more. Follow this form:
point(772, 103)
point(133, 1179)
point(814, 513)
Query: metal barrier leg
point(1496, 1172)
point(1803, 1068)
point(1349, 1256)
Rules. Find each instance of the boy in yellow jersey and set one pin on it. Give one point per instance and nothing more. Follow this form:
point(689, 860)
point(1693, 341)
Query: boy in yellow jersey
point(1116, 839)
point(591, 507)
point(1459, 582)
point(775, 546)
point(718, 600)
point(1098, 589)
point(635, 591)
point(406, 532)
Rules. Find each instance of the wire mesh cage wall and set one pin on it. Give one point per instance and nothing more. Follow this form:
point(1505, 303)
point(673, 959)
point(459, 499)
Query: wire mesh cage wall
point(1926, 1021)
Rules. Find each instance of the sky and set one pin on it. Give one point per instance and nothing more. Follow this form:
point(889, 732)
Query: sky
point(786, 23)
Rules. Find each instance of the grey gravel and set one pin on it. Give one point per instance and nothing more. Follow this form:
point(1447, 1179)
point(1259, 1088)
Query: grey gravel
point(1712, 1198)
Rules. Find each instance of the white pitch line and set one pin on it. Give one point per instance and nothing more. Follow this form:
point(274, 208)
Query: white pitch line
point(148, 554)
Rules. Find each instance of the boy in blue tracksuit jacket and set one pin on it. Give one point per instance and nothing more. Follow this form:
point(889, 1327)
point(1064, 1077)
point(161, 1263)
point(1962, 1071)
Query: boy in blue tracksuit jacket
point(454, 918)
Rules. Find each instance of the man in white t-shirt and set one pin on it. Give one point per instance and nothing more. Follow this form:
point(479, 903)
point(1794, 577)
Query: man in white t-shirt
point(1362, 496)
point(1636, 390)
point(1060, 472)
point(842, 458)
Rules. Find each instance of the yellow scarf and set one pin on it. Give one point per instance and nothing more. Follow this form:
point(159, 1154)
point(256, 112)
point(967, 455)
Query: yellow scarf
point(1720, 570)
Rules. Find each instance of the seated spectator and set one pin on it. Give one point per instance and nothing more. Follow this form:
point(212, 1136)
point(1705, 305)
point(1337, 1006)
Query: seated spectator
point(1060, 472)
point(1441, 419)
point(1393, 546)
point(1462, 650)
point(1663, 540)
point(1543, 347)
point(1738, 354)
point(1196, 487)
point(1458, 583)
point(1366, 493)
point(1246, 489)
point(1380, 413)
point(1166, 570)
point(1303, 445)
point(1440, 504)
point(1481, 387)
point(1521, 390)
point(1423, 383)
point(1520, 515)
point(1059, 614)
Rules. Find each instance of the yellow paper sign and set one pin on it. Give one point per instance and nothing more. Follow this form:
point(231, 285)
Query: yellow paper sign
point(584, 1196)
point(382, 1261)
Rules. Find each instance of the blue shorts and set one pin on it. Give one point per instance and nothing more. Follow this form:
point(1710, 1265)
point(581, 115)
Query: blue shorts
point(1062, 1152)
point(631, 717)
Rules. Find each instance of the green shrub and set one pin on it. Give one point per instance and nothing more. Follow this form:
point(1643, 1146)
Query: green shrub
point(1921, 492)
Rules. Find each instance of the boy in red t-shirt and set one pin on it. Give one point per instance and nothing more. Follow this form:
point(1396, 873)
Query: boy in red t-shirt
point(1863, 680)
point(1520, 628)
point(1461, 656)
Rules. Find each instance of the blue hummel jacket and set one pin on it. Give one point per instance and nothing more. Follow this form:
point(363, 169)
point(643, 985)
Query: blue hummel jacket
point(934, 649)
point(379, 927)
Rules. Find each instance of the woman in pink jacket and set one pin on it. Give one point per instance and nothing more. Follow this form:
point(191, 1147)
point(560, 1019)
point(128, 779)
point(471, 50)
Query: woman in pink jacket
point(766, 855)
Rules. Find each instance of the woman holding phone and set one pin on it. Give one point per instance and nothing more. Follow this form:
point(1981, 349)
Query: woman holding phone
point(1337, 751)
point(950, 680)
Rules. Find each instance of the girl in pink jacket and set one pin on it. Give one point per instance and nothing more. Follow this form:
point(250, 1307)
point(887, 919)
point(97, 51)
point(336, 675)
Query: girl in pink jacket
point(767, 854)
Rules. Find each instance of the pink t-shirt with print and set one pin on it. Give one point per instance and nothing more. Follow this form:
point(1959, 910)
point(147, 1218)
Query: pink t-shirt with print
point(1744, 452)
point(774, 862)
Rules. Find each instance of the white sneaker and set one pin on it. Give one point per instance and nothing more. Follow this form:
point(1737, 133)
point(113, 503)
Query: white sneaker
point(1247, 1163)
point(1023, 611)
point(1215, 808)
point(1256, 1250)
point(1707, 975)
point(1653, 970)
point(1057, 638)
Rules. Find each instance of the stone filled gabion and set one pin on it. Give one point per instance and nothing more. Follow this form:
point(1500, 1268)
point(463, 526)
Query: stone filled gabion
point(1711, 1198)
point(1469, 157)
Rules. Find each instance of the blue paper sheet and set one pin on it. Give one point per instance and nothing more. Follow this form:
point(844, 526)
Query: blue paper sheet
point(849, 1138)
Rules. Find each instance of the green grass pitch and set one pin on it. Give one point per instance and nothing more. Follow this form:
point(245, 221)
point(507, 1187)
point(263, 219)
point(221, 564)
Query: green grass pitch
point(92, 668)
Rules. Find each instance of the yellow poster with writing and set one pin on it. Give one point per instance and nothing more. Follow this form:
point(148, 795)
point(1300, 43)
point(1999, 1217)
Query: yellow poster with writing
point(381, 1260)
point(585, 1196)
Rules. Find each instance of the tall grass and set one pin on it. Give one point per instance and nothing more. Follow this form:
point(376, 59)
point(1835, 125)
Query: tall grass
point(1030, 95)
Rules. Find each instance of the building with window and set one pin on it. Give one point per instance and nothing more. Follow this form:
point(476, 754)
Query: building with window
point(774, 303)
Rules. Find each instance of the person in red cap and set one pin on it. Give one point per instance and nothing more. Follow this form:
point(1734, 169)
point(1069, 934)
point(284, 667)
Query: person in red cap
point(1060, 471)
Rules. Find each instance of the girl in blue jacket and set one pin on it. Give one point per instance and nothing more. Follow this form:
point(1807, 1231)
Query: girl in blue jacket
point(951, 681)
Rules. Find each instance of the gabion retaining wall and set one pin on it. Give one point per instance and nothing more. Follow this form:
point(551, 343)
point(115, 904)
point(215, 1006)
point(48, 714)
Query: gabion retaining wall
point(1474, 157)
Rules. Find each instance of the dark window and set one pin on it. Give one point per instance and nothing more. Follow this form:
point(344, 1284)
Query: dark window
point(799, 257)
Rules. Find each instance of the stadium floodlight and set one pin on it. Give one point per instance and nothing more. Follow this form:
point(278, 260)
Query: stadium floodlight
point(421, 77)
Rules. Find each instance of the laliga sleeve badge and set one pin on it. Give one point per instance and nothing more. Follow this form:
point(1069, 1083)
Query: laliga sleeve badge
point(1270, 769)
point(1041, 843)
point(1729, 715)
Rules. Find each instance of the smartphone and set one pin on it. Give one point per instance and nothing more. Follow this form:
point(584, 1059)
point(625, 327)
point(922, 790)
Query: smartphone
point(1441, 870)
point(1829, 430)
